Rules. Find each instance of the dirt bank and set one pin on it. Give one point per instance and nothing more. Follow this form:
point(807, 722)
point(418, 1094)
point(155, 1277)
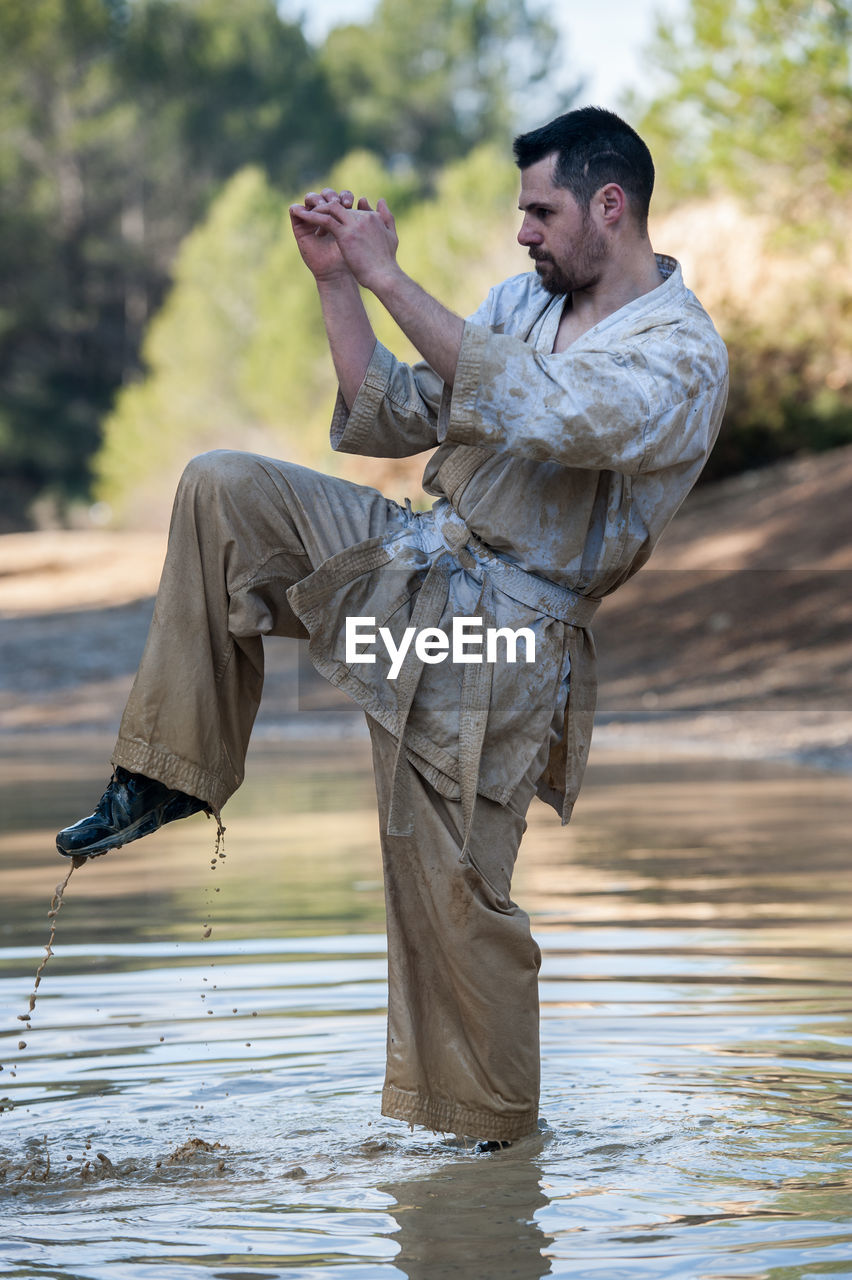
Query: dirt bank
point(739, 631)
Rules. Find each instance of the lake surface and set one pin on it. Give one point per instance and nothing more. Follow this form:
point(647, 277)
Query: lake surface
point(199, 1092)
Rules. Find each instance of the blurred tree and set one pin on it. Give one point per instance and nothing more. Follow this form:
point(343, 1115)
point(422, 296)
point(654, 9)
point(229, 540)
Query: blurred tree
point(223, 85)
point(195, 348)
point(426, 82)
point(755, 100)
point(118, 123)
point(755, 97)
point(62, 134)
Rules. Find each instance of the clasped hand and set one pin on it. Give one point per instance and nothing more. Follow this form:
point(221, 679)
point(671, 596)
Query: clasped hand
point(335, 238)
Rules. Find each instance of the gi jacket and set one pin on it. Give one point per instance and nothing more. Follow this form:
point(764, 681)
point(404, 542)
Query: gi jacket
point(555, 474)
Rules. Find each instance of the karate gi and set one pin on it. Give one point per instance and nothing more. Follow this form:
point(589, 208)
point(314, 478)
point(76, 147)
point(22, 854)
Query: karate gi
point(554, 476)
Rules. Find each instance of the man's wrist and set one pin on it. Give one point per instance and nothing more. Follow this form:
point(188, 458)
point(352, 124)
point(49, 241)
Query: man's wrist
point(337, 282)
point(388, 284)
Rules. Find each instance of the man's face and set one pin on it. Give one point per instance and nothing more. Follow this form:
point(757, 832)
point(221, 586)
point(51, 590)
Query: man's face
point(567, 248)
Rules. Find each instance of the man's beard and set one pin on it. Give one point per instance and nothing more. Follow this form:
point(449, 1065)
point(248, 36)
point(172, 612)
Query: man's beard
point(581, 272)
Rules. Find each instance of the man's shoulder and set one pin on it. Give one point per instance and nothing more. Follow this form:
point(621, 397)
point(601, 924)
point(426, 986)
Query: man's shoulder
point(669, 341)
point(692, 319)
point(669, 313)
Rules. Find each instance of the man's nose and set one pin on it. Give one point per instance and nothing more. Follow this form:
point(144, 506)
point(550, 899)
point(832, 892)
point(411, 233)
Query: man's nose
point(528, 235)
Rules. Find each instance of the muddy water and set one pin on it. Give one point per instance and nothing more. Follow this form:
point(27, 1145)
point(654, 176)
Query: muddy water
point(205, 1104)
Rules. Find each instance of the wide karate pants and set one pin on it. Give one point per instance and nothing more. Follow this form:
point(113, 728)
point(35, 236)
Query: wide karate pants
point(463, 1047)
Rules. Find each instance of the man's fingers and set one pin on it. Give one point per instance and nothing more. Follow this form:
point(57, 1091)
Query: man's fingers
point(385, 214)
point(326, 218)
point(305, 213)
point(328, 195)
point(332, 209)
point(335, 203)
point(319, 217)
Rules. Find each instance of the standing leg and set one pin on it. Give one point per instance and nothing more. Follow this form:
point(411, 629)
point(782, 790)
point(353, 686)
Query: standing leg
point(463, 1039)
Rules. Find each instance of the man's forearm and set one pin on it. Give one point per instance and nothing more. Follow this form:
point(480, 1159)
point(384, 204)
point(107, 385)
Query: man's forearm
point(367, 242)
point(350, 334)
point(435, 331)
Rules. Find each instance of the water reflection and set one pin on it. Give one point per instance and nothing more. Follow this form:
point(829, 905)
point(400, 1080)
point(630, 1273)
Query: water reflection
point(473, 1218)
point(209, 1106)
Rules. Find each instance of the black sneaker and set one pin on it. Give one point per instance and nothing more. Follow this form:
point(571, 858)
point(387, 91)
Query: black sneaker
point(488, 1146)
point(132, 806)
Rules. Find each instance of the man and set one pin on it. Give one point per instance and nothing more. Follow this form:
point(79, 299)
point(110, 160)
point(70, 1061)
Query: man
point(572, 414)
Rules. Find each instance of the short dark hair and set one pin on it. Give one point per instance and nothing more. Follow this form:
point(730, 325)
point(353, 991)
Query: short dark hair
point(593, 146)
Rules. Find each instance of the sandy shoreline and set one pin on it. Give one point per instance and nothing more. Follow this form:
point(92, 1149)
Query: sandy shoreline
point(735, 642)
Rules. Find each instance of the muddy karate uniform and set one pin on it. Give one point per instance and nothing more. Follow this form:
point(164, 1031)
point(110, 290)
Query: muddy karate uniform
point(555, 476)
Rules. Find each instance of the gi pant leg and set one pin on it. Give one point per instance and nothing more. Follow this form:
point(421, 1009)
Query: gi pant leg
point(463, 1014)
point(244, 529)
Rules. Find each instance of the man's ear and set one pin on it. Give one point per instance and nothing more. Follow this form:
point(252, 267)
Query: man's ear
point(610, 203)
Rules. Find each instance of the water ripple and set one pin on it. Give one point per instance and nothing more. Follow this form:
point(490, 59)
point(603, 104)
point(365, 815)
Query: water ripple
point(210, 1108)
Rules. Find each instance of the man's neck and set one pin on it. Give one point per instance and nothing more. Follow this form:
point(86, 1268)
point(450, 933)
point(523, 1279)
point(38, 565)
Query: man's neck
point(620, 284)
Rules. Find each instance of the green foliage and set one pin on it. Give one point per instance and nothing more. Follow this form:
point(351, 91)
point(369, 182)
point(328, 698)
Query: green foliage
point(426, 82)
point(118, 123)
point(196, 346)
point(791, 379)
point(756, 97)
point(62, 130)
point(221, 85)
point(237, 357)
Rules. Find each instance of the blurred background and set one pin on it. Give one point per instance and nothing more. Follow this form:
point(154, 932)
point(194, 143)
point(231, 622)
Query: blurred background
point(153, 304)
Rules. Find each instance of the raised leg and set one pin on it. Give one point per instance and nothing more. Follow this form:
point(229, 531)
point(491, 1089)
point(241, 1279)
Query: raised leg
point(244, 529)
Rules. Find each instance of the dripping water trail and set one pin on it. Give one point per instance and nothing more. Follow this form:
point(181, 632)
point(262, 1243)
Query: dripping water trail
point(55, 907)
point(218, 855)
point(207, 926)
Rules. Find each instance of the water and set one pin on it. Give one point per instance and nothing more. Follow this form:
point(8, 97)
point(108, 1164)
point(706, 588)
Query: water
point(209, 1105)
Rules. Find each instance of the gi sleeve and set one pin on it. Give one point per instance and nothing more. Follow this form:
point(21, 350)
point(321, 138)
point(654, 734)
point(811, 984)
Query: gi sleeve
point(638, 407)
point(395, 413)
